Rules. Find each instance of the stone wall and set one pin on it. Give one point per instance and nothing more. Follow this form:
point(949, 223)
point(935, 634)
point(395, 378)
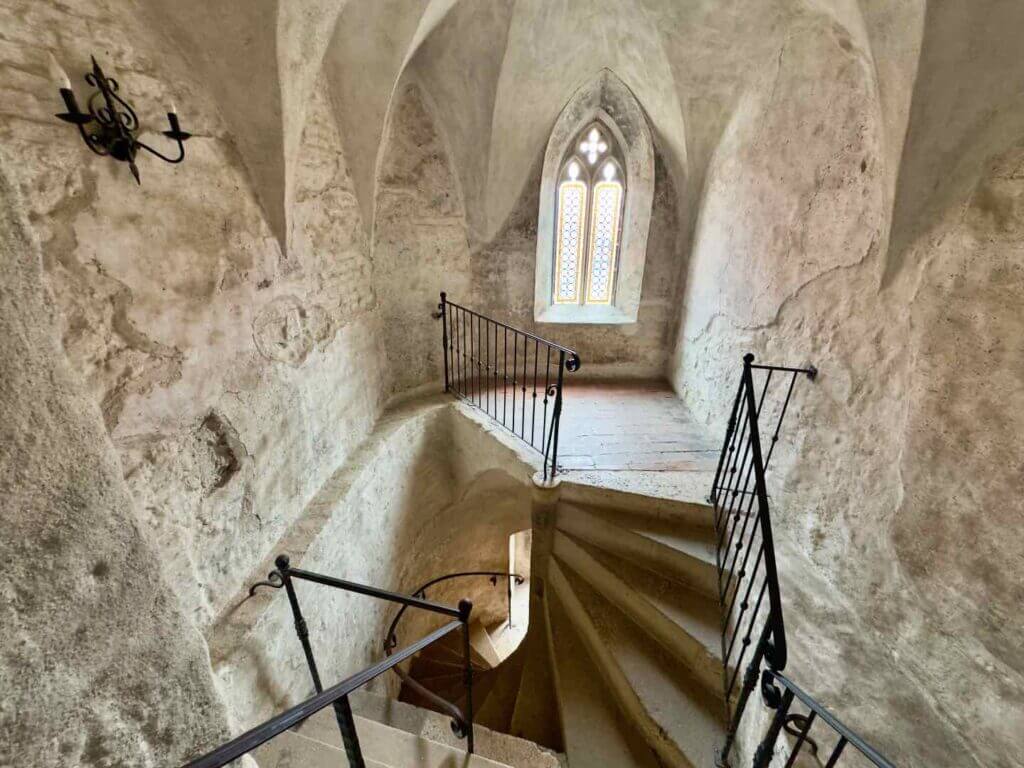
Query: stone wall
point(93, 635)
point(233, 376)
point(893, 492)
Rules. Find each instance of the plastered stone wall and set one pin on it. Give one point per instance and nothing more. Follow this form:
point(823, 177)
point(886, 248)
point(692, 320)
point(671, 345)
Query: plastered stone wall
point(892, 491)
point(233, 376)
point(420, 246)
point(93, 635)
point(407, 511)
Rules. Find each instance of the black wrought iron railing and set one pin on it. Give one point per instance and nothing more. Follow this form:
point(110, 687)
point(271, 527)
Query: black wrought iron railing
point(391, 639)
point(753, 632)
point(337, 695)
point(783, 695)
point(513, 376)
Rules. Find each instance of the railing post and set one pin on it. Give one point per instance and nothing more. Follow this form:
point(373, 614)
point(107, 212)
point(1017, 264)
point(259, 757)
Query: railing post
point(342, 709)
point(442, 309)
point(508, 595)
point(766, 749)
point(775, 653)
point(465, 607)
point(556, 417)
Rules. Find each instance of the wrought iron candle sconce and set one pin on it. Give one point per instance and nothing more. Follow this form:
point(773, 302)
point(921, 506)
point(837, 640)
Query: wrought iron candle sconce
point(109, 126)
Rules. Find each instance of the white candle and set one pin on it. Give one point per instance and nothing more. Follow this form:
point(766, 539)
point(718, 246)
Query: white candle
point(58, 74)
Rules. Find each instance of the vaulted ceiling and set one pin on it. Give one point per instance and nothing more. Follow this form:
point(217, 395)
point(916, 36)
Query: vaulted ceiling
point(498, 72)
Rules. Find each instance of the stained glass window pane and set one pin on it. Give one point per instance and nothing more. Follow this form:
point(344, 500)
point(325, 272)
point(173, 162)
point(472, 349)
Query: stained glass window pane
point(604, 237)
point(572, 196)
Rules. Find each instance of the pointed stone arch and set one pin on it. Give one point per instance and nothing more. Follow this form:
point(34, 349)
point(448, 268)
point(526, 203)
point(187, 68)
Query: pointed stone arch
point(607, 100)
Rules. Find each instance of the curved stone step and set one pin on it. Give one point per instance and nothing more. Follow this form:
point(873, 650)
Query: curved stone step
point(696, 514)
point(684, 554)
point(677, 717)
point(429, 725)
point(593, 730)
point(382, 747)
point(683, 623)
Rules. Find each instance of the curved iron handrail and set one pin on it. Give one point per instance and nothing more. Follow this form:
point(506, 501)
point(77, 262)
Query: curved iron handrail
point(391, 641)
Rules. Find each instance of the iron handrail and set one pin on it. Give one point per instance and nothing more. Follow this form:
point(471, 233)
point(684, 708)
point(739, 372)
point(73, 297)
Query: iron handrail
point(783, 701)
point(391, 640)
point(283, 577)
point(278, 724)
point(520, 331)
point(482, 368)
point(745, 551)
point(406, 601)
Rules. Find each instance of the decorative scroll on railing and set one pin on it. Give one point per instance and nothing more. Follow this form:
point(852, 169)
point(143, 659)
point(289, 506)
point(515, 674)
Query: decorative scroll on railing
point(337, 695)
point(753, 630)
point(513, 376)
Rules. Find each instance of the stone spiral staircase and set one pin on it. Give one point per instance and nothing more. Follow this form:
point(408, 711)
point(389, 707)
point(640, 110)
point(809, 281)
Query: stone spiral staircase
point(620, 668)
point(622, 664)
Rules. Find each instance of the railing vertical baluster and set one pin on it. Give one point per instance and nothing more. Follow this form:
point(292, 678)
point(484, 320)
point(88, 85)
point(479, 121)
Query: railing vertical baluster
point(556, 417)
point(342, 709)
point(508, 596)
point(730, 434)
point(836, 753)
point(763, 755)
point(808, 722)
point(479, 363)
point(533, 422)
point(750, 679)
point(486, 370)
point(547, 386)
point(526, 354)
point(504, 379)
point(444, 338)
point(465, 607)
point(515, 368)
point(495, 387)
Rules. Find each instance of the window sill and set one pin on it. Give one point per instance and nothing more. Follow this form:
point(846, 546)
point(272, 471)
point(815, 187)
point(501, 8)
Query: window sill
point(583, 315)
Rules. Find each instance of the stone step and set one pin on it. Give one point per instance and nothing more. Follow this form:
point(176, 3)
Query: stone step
point(427, 724)
point(692, 513)
point(684, 623)
point(382, 747)
point(593, 728)
point(682, 553)
point(675, 714)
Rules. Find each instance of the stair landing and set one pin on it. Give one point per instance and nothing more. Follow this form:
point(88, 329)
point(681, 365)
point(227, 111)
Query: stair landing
point(637, 436)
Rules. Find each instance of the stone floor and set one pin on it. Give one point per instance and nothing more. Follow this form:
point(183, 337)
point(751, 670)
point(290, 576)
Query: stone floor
point(638, 426)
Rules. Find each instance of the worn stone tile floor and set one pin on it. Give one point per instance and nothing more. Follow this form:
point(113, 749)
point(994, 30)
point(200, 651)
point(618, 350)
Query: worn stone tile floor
point(639, 426)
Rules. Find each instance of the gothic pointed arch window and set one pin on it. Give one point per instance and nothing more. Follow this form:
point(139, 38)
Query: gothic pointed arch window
point(589, 201)
point(596, 196)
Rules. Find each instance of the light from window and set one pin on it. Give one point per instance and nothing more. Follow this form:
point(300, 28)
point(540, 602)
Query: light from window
point(604, 235)
point(572, 200)
point(589, 212)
